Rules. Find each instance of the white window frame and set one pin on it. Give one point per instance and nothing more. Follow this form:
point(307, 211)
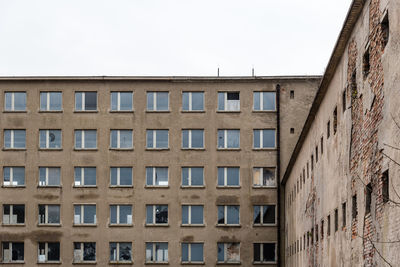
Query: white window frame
point(262, 251)
point(154, 251)
point(190, 177)
point(262, 139)
point(155, 108)
point(190, 215)
point(47, 177)
point(10, 245)
point(81, 252)
point(262, 178)
point(190, 253)
point(226, 139)
point(262, 101)
point(119, 177)
point(191, 101)
point(226, 101)
point(83, 140)
point(119, 101)
point(154, 177)
point(12, 144)
point(12, 214)
point(226, 216)
point(11, 182)
point(82, 215)
point(154, 215)
point(13, 101)
point(117, 253)
point(190, 139)
point(129, 220)
point(48, 139)
point(119, 139)
point(48, 101)
point(46, 253)
point(226, 260)
point(82, 181)
point(155, 139)
point(262, 215)
point(226, 177)
point(83, 108)
point(46, 215)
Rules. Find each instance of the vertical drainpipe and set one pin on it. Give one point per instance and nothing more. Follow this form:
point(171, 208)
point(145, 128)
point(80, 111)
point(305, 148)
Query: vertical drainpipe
point(278, 166)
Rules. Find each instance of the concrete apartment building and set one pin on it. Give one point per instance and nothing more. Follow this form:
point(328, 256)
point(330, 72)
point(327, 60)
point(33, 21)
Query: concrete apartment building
point(342, 181)
point(146, 170)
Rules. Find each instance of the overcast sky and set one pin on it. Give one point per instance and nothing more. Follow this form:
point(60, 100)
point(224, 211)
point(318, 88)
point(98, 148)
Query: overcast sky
point(168, 37)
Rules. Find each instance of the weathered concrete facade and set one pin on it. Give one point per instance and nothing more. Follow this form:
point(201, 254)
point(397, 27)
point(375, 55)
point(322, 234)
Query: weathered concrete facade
point(341, 186)
point(67, 194)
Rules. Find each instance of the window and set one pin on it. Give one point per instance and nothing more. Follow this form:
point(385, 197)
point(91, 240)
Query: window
point(316, 154)
point(50, 101)
point(121, 214)
point(322, 145)
point(312, 162)
point(121, 139)
point(316, 233)
point(85, 139)
point(344, 101)
point(157, 101)
point(228, 176)
point(49, 214)
point(192, 139)
point(85, 176)
point(12, 251)
point(264, 252)
point(48, 252)
point(228, 215)
point(156, 252)
point(14, 139)
point(264, 177)
point(49, 176)
point(385, 29)
point(120, 252)
point(264, 215)
point(366, 62)
point(192, 253)
point(192, 176)
point(335, 121)
point(308, 170)
point(322, 229)
point(292, 130)
point(228, 139)
point(50, 139)
point(121, 101)
point(385, 186)
point(328, 129)
point(264, 138)
point(193, 101)
point(291, 94)
point(228, 101)
point(156, 176)
point(15, 101)
point(328, 231)
point(336, 220)
point(85, 101)
point(84, 252)
point(368, 198)
point(14, 176)
point(157, 139)
point(354, 211)
point(156, 214)
point(121, 176)
point(228, 252)
point(192, 214)
point(84, 214)
point(264, 101)
point(13, 214)
point(344, 214)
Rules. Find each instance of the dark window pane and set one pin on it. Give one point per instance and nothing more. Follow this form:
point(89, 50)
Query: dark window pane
point(89, 251)
point(256, 252)
point(257, 215)
point(197, 176)
point(53, 252)
point(196, 252)
point(269, 252)
point(198, 101)
point(90, 101)
point(269, 214)
point(197, 214)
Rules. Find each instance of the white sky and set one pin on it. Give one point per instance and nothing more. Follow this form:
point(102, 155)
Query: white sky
point(168, 37)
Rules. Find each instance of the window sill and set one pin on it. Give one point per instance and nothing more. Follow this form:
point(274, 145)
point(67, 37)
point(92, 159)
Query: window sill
point(86, 149)
point(196, 149)
point(157, 149)
point(265, 225)
point(13, 225)
point(229, 187)
point(158, 111)
point(228, 149)
point(264, 187)
point(193, 186)
point(86, 111)
point(84, 225)
point(193, 111)
point(156, 186)
point(120, 186)
point(84, 262)
point(120, 149)
point(121, 262)
point(193, 225)
point(228, 225)
point(264, 262)
point(229, 263)
point(49, 262)
point(13, 186)
point(156, 263)
point(228, 111)
point(264, 111)
point(13, 262)
point(15, 111)
point(14, 149)
point(50, 111)
point(49, 225)
point(49, 186)
point(193, 263)
point(84, 186)
point(265, 149)
point(50, 149)
point(122, 111)
point(113, 225)
point(157, 225)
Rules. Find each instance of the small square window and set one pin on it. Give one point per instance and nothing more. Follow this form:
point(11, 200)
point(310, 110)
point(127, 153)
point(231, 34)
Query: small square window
point(228, 139)
point(192, 176)
point(156, 214)
point(228, 101)
point(84, 252)
point(121, 176)
point(264, 215)
point(85, 101)
point(48, 252)
point(192, 253)
point(157, 101)
point(121, 101)
point(13, 176)
point(121, 252)
point(228, 176)
point(156, 176)
point(49, 176)
point(13, 214)
point(121, 139)
point(50, 101)
point(49, 214)
point(156, 252)
point(228, 252)
point(121, 214)
point(85, 214)
point(157, 139)
point(264, 252)
point(264, 138)
point(193, 101)
point(264, 177)
point(192, 214)
point(264, 101)
point(192, 139)
point(14, 139)
point(228, 215)
point(15, 101)
point(85, 176)
point(12, 252)
point(85, 139)
point(50, 139)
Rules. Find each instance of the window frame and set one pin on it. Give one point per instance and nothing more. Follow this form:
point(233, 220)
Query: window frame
point(261, 138)
point(154, 172)
point(10, 245)
point(118, 215)
point(83, 107)
point(47, 141)
point(262, 250)
point(118, 261)
point(47, 177)
point(261, 100)
point(13, 102)
point(262, 215)
point(190, 217)
point(82, 250)
point(154, 252)
point(118, 131)
point(155, 107)
point(255, 186)
point(46, 252)
point(189, 168)
point(46, 215)
point(82, 215)
point(226, 224)
point(118, 178)
point(189, 253)
point(190, 140)
point(225, 185)
point(190, 99)
point(11, 207)
point(225, 147)
point(83, 145)
point(119, 101)
point(11, 185)
point(154, 147)
point(225, 93)
point(48, 94)
point(12, 139)
point(154, 215)
point(82, 176)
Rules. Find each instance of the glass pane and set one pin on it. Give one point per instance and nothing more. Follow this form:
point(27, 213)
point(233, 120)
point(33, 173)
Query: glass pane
point(42, 176)
point(233, 176)
point(42, 141)
point(126, 101)
point(78, 139)
point(19, 138)
point(269, 100)
point(43, 101)
point(185, 138)
point(257, 215)
point(125, 251)
point(19, 101)
point(268, 138)
point(233, 215)
point(54, 139)
point(113, 174)
point(197, 139)
point(162, 139)
point(54, 176)
point(78, 101)
point(232, 252)
point(256, 138)
point(256, 248)
point(55, 101)
point(197, 214)
point(221, 214)
point(90, 139)
point(221, 139)
point(161, 214)
point(185, 101)
point(77, 214)
point(150, 101)
point(149, 214)
point(113, 252)
point(162, 176)
point(257, 176)
point(90, 176)
point(221, 175)
point(221, 101)
point(185, 252)
point(7, 138)
point(149, 176)
point(8, 101)
point(125, 176)
point(185, 176)
point(126, 139)
point(162, 100)
point(6, 175)
point(114, 138)
point(149, 136)
point(19, 210)
point(185, 214)
point(269, 252)
point(233, 138)
point(269, 214)
point(17, 251)
point(78, 176)
point(53, 212)
point(269, 178)
point(221, 252)
point(18, 176)
point(125, 211)
point(256, 100)
point(114, 101)
point(149, 252)
point(198, 101)
point(89, 251)
point(89, 214)
point(90, 100)
point(113, 214)
point(197, 176)
point(197, 252)
point(161, 251)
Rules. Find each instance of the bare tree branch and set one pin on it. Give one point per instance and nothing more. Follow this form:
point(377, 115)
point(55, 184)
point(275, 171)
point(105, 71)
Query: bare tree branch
point(397, 148)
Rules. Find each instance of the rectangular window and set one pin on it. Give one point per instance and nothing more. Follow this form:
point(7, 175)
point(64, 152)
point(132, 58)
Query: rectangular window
point(50, 139)
point(228, 139)
point(264, 138)
point(344, 100)
point(193, 101)
point(49, 214)
point(228, 176)
point(192, 139)
point(192, 214)
point(264, 177)
point(156, 252)
point(157, 139)
point(121, 214)
point(121, 101)
point(336, 220)
point(157, 101)
point(14, 139)
point(85, 139)
point(15, 101)
point(344, 214)
point(228, 252)
point(264, 215)
point(192, 253)
point(85, 101)
point(335, 120)
point(368, 198)
point(14, 176)
point(49, 176)
point(228, 101)
point(264, 252)
point(316, 233)
point(120, 252)
point(264, 101)
point(156, 214)
point(322, 145)
point(312, 162)
point(84, 214)
point(328, 129)
point(121, 176)
point(84, 252)
point(121, 139)
point(13, 214)
point(48, 252)
point(328, 231)
point(385, 29)
point(316, 154)
point(322, 229)
point(228, 215)
point(85, 176)
point(354, 211)
point(192, 176)
point(12, 252)
point(156, 176)
point(385, 186)
point(50, 101)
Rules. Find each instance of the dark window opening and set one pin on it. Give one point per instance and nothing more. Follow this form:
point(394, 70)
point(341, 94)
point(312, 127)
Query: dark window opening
point(344, 214)
point(328, 230)
point(308, 170)
point(316, 154)
point(304, 175)
point(344, 101)
point(366, 63)
point(232, 96)
point(335, 120)
point(291, 94)
point(368, 198)
point(312, 162)
point(316, 233)
point(312, 236)
point(322, 229)
point(354, 207)
point(353, 84)
point(336, 220)
point(308, 239)
point(385, 186)
point(292, 130)
point(328, 129)
point(322, 145)
point(385, 30)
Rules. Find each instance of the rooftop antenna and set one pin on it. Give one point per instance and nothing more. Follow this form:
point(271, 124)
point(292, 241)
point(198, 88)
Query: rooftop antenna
point(252, 71)
point(218, 72)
